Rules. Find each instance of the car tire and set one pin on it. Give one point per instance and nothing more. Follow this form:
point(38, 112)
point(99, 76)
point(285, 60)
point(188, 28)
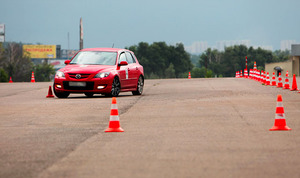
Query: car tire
point(89, 95)
point(140, 87)
point(115, 88)
point(60, 94)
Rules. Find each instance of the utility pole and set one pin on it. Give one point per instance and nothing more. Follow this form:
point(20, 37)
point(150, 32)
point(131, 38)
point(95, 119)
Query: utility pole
point(68, 45)
point(81, 35)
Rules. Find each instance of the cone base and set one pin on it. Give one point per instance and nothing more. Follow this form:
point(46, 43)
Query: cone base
point(114, 130)
point(294, 89)
point(280, 124)
point(49, 96)
point(114, 126)
point(277, 128)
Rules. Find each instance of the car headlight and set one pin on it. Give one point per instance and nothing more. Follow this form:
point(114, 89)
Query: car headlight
point(102, 75)
point(59, 74)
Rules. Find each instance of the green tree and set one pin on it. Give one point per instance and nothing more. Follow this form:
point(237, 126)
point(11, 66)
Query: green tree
point(211, 59)
point(158, 57)
point(170, 71)
point(43, 72)
point(16, 65)
point(198, 72)
point(201, 72)
point(3, 76)
point(195, 60)
point(181, 59)
point(233, 59)
point(280, 56)
point(209, 73)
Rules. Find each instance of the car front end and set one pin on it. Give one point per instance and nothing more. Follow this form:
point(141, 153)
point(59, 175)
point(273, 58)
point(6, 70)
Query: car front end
point(82, 82)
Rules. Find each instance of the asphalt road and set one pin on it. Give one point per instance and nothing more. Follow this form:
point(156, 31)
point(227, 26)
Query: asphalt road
point(177, 128)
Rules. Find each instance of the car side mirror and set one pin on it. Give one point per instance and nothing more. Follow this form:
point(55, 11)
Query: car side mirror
point(67, 62)
point(123, 63)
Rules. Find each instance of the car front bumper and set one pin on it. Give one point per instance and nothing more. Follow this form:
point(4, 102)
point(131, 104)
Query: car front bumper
point(95, 85)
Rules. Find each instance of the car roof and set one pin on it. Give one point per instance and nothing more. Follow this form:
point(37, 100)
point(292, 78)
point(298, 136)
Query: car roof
point(104, 49)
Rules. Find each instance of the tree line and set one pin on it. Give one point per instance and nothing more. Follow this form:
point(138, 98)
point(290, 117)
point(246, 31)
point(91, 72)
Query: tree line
point(225, 63)
point(158, 59)
point(161, 60)
point(19, 67)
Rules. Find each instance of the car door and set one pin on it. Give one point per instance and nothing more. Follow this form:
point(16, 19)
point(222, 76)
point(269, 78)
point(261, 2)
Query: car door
point(132, 70)
point(123, 72)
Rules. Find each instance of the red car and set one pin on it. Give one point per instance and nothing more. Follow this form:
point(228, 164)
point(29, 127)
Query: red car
point(107, 71)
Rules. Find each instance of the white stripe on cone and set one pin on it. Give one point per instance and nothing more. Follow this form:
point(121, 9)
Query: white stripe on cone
point(114, 118)
point(114, 106)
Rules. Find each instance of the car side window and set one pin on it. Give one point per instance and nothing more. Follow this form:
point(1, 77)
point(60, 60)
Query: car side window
point(130, 59)
point(122, 57)
point(133, 57)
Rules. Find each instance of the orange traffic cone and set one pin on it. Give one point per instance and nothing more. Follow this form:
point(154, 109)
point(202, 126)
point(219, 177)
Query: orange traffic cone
point(254, 74)
point(10, 80)
point(286, 82)
point(114, 121)
point(245, 73)
point(241, 74)
point(264, 77)
point(294, 85)
point(32, 78)
point(273, 80)
point(267, 79)
point(189, 75)
point(280, 123)
point(279, 84)
point(50, 95)
point(259, 76)
point(250, 73)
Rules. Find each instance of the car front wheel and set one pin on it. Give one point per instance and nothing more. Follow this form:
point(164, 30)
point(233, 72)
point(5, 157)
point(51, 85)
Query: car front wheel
point(116, 87)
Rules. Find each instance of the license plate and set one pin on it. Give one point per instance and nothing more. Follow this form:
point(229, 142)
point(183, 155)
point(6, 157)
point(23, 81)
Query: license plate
point(77, 84)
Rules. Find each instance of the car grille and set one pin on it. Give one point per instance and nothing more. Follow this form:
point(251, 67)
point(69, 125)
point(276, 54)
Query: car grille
point(82, 76)
point(89, 86)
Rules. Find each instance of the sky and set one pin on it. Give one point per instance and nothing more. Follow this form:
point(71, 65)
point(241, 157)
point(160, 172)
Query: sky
point(124, 23)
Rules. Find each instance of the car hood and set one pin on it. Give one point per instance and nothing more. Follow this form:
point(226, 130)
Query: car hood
point(86, 69)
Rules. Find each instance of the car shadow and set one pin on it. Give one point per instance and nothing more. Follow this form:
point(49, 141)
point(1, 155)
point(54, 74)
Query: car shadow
point(97, 96)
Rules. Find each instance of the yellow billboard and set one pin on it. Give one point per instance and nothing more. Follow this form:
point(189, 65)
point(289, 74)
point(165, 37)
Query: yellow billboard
point(40, 51)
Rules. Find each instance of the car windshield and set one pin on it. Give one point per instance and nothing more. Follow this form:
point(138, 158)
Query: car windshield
point(95, 58)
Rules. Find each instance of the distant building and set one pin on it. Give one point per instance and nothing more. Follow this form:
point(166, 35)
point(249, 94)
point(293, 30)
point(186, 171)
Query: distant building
point(286, 44)
point(2, 33)
point(67, 54)
point(197, 47)
point(292, 65)
point(222, 44)
point(270, 48)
